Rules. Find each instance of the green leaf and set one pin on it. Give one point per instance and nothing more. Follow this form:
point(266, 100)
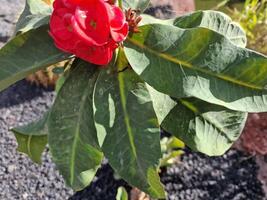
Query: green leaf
point(59, 83)
point(136, 4)
point(124, 113)
point(148, 19)
point(27, 53)
point(35, 14)
point(214, 20)
point(72, 133)
point(200, 63)
point(170, 112)
point(204, 127)
point(170, 158)
point(32, 138)
point(122, 194)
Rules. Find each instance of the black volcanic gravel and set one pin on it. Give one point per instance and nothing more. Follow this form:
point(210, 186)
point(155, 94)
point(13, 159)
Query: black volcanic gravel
point(232, 176)
point(198, 177)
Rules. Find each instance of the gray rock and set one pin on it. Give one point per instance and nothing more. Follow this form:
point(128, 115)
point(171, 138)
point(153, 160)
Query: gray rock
point(199, 177)
point(20, 177)
point(9, 13)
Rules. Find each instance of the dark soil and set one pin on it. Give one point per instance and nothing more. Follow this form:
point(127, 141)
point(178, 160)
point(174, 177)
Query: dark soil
point(232, 176)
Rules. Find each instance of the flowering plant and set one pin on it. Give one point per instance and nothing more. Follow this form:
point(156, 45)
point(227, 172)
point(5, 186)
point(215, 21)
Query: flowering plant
point(192, 76)
point(91, 30)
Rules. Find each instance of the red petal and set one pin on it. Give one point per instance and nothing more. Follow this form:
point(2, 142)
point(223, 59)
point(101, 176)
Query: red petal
point(81, 2)
point(65, 45)
point(120, 35)
point(58, 4)
point(96, 55)
point(63, 4)
point(83, 36)
point(60, 27)
point(117, 17)
point(92, 24)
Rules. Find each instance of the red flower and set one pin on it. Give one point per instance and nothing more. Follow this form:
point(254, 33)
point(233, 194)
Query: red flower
point(89, 29)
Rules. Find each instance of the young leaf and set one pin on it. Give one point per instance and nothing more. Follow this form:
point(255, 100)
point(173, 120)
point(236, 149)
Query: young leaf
point(136, 4)
point(35, 14)
point(200, 63)
point(204, 127)
point(72, 133)
point(124, 113)
point(214, 20)
point(32, 138)
point(122, 194)
point(27, 53)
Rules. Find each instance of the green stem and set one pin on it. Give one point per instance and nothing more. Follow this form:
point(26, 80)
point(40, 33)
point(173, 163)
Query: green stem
point(120, 4)
point(121, 61)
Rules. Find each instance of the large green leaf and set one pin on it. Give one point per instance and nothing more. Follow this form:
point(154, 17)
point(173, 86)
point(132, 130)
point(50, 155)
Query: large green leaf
point(170, 112)
point(124, 113)
point(35, 14)
point(27, 53)
point(204, 127)
point(32, 138)
point(199, 62)
point(214, 20)
point(72, 133)
point(136, 4)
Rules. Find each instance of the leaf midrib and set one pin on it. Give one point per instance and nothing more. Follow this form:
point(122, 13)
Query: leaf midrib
point(198, 114)
point(129, 129)
point(190, 66)
point(29, 146)
point(126, 115)
point(77, 133)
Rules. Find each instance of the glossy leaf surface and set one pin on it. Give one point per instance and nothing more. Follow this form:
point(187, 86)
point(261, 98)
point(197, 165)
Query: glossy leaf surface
point(35, 14)
point(125, 115)
point(72, 133)
point(27, 53)
point(32, 138)
point(201, 63)
point(214, 20)
point(204, 127)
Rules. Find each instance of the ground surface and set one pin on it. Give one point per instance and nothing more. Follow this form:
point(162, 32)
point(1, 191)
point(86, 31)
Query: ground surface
point(20, 104)
point(230, 177)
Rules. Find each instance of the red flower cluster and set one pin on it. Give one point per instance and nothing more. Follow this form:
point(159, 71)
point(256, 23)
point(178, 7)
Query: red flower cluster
point(89, 29)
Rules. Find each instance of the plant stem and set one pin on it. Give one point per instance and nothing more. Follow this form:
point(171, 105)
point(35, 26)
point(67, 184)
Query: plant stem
point(121, 61)
point(120, 4)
